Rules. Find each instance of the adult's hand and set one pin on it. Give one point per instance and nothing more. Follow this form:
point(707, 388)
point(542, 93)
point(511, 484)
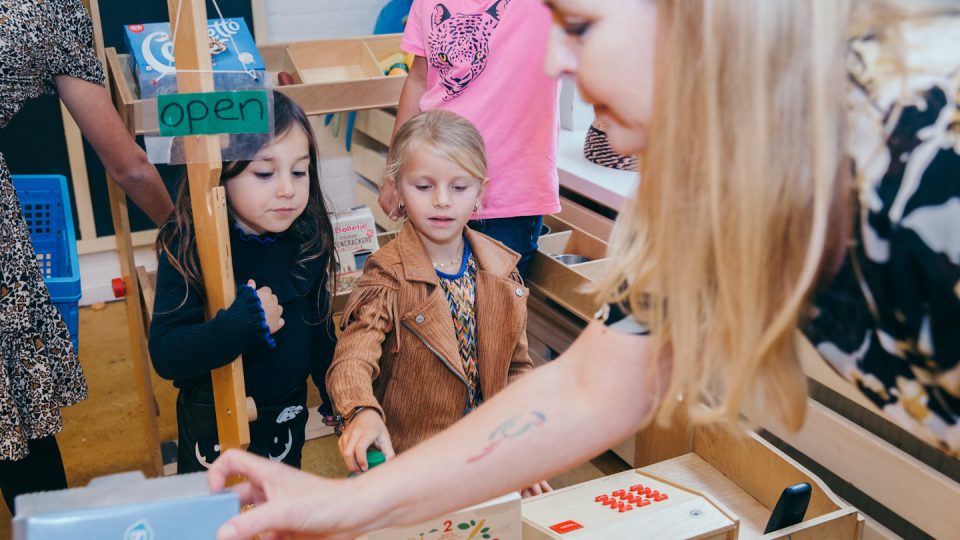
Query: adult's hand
point(389, 200)
point(124, 160)
point(290, 504)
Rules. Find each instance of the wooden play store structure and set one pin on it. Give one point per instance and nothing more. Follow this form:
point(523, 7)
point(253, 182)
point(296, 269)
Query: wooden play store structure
point(734, 480)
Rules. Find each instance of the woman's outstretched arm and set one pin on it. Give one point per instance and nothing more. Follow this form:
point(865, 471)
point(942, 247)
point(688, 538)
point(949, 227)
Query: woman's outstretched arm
point(557, 416)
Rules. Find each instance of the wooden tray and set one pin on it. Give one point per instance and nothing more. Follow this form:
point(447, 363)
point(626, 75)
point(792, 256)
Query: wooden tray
point(568, 285)
point(376, 124)
point(745, 474)
point(369, 157)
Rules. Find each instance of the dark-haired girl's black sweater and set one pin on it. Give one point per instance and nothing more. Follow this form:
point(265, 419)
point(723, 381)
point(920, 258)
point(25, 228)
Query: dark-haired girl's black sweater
point(184, 347)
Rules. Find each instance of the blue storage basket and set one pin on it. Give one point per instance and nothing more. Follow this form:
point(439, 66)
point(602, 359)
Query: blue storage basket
point(45, 200)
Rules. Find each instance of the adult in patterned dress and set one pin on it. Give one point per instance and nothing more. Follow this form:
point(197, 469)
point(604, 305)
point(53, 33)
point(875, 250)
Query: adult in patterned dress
point(46, 47)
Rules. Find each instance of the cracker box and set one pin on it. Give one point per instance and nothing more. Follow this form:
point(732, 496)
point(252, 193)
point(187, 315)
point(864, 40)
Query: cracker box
point(126, 507)
point(355, 238)
point(497, 519)
point(237, 64)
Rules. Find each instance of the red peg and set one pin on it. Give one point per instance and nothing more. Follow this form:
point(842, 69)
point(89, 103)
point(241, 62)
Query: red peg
point(284, 78)
point(119, 287)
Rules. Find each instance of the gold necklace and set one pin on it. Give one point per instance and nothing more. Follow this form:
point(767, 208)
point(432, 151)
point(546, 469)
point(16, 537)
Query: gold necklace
point(454, 263)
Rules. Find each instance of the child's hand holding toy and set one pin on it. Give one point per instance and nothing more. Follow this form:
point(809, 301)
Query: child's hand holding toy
point(366, 428)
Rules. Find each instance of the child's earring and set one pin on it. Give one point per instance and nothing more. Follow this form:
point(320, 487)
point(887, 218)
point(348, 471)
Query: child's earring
point(476, 206)
point(400, 207)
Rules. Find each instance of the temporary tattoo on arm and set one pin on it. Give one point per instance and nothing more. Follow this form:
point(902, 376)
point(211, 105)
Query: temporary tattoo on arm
point(511, 429)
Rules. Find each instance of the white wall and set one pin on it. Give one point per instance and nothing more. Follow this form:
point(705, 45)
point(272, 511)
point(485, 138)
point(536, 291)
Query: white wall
point(294, 20)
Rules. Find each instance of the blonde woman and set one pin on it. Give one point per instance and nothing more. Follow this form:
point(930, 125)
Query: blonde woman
point(761, 209)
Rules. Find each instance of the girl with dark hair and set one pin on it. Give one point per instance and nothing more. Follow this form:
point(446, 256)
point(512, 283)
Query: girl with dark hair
point(281, 240)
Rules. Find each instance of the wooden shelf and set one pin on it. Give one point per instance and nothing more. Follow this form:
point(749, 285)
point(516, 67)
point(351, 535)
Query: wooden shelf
point(330, 75)
point(744, 473)
point(568, 285)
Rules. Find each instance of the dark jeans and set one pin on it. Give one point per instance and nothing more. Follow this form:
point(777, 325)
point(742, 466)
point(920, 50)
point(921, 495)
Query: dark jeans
point(278, 434)
point(520, 234)
point(41, 470)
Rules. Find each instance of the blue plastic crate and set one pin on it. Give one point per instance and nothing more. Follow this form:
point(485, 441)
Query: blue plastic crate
point(45, 200)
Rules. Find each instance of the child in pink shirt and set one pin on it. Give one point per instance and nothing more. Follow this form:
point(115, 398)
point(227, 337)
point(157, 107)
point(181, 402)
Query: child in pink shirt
point(484, 59)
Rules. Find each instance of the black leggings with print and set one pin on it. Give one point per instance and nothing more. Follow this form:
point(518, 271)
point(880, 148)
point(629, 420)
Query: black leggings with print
point(278, 433)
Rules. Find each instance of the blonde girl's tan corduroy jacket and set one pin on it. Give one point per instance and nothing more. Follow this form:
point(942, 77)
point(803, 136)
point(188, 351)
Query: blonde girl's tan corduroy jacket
point(398, 352)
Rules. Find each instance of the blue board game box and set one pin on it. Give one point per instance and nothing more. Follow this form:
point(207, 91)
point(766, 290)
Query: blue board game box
point(126, 507)
point(237, 64)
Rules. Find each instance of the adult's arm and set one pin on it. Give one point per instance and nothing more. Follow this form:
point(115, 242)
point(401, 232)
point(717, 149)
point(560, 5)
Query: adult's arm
point(124, 160)
point(409, 106)
point(598, 392)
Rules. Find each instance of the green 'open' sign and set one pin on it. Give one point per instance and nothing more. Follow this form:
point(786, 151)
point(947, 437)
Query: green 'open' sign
point(212, 113)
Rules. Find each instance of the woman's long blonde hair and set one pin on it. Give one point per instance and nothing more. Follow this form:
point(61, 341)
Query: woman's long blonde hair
point(727, 234)
point(741, 199)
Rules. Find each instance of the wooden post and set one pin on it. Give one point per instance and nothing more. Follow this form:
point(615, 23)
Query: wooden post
point(146, 399)
point(188, 22)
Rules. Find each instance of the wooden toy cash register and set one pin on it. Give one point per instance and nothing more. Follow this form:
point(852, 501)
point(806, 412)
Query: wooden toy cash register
point(627, 505)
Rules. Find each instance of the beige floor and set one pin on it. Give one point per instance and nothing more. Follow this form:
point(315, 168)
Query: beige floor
point(103, 434)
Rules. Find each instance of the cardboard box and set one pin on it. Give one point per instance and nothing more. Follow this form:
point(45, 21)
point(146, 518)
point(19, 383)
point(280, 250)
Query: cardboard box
point(343, 291)
point(626, 506)
point(497, 519)
point(233, 53)
point(126, 506)
point(355, 239)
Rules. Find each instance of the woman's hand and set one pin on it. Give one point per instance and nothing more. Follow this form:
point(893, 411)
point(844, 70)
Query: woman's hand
point(539, 488)
point(365, 429)
point(389, 200)
point(272, 310)
point(289, 503)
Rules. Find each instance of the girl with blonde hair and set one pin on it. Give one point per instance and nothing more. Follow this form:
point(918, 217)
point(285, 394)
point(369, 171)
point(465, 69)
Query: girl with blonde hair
point(799, 171)
point(437, 324)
